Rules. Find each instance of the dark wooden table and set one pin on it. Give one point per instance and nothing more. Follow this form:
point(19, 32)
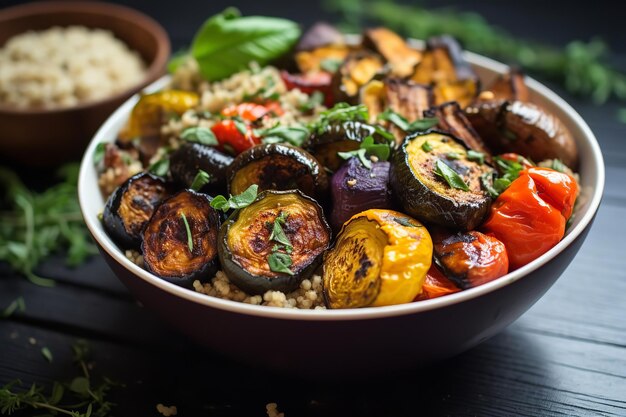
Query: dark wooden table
point(566, 356)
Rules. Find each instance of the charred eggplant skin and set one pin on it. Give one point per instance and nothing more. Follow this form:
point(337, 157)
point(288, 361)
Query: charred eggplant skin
point(425, 195)
point(187, 160)
point(138, 195)
point(175, 254)
point(305, 227)
point(340, 137)
point(277, 166)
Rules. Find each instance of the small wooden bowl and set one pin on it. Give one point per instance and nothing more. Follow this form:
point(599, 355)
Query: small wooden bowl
point(46, 138)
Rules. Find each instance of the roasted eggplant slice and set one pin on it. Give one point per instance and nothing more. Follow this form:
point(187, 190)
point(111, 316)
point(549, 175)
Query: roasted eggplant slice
point(523, 128)
point(453, 120)
point(180, 240)
point(444, 67)
point(436, 182)
point(400, 56)
point(409, 100)
point(355, 188)
point(471, 258)
point(357, 70)
point(277, 166)
point(510, 86)
point(187, 160)
point(130, 206)
point(274, 243)
point(380, 258)
point(319, 35)
point(340, 137)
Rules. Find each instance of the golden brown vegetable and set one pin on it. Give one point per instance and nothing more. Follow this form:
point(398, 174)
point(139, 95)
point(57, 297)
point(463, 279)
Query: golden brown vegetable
point(400, 56)
point(509, 86)
point(357, 70)
point(380, 258)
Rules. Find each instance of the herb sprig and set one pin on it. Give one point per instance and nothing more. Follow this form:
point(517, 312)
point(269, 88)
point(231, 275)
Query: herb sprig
point(418, 125)
point(453, 179)
point(279, 261)
point(381, 151)
point(236, 201)
point(34, 225)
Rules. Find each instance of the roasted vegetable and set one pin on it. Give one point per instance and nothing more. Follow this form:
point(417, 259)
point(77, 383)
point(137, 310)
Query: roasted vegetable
point(470, 258)
point(435, 181)
point(400, 56)
point(274, 243)
point(321, 48)
point(453, 120)
point(444, 67)
point(529, 217)
point(436, 285)
point(319, 35)
point(356, 70)
point(311, 82)
point(509, 86)
point(355, 188)
point(340, 137)
point(180, 240)
point(130, 206)
point(187, 160)
point(523, 128)
point(234, 136)
point(277, 166)
point(380, 258)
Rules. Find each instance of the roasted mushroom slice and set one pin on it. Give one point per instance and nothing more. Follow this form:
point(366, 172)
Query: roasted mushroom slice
point(340, 137)
point(509, 86)
point(523, 128)
point(470, 258)
point(380, 258)
point(400, 56)
point(180, 240)
point(436, 182)
point(274, 243)
point(453, 120)
point(130, 206)
point(187, 160)
point(357, 69)
point(277, 166)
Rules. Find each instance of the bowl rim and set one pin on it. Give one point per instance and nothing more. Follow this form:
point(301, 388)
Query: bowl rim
point(366, 313)
point(134, 17)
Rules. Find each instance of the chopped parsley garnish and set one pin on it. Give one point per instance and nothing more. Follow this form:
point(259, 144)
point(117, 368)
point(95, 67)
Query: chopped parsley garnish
point(453, 179)
point(278, 234)
point(160, 167)
point(280, 262)
point(293, 135)
point(418, 125)
point(188, 229)
point(341, 112)
point(368, 147)
point(197, 134)
point(236, 202)
point(476, 156)
point(427, 147)
point(200, 180)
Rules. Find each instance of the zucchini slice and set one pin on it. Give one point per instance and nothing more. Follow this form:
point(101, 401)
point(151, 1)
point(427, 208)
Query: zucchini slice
point(131, 205)
point(428, 196)
point(380, 258)
point(180, 240)
point(277, 166)
point(274, 243)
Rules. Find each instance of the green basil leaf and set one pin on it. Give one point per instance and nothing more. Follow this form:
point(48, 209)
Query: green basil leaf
point(422, 124)
point(80, 385)
point(46, 353)
point(380, 150)
point(476, 156)
point(220, 203)
point(227, 43)
point(98, 154)
point(160, 167)
point(453, 179)
point(400, 121)
point(282, 134)
point(278, 234)
point(245, 198)
point(200, 180)
point(198, 134)
point(280, 262)
point(485, 182)
point(340, 112)
point(188, 229)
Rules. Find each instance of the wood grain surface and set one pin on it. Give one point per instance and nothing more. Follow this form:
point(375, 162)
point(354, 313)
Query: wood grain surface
point(565, 356)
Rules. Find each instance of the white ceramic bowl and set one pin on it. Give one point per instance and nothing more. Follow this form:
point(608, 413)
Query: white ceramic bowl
point(359, 341)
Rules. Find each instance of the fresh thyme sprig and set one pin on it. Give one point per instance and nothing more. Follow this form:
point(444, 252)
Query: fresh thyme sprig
point(34, 225)
point(580, 67)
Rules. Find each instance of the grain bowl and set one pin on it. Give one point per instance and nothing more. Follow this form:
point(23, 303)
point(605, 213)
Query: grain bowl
point(52, 123)
point(345, 339)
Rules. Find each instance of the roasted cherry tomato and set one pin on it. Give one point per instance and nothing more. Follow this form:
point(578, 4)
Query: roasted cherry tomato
point(252, 111)
point(311, 82)
point(436, 285)
point(529, 217)
point(471, 258)
point(230, 137)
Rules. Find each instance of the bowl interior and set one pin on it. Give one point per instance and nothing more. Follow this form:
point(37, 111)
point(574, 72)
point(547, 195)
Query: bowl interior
point(592, 180)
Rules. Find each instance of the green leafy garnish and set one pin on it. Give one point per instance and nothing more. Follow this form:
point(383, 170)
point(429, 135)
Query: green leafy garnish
point(278, 234)
point(46, 353)
point(486, 181)
point(557, 165)
point(418, 125)
point(292, 135)
point(160, 167)
point(18, 305)
point(404, 222)
point(202, 135)
point(188, 230)
point(368, 147)
point(280, 262)
point(330, 64)
point(34, 225)
point(236, 202)
point(200, 180)
point(240, 125)
point(476, 156)
point(340, 112)
point(315, 99)
point(427, 147)
point(98, 154)
point(452, 155)
point(510, 170)
point(227, 42)
point(453, 179)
